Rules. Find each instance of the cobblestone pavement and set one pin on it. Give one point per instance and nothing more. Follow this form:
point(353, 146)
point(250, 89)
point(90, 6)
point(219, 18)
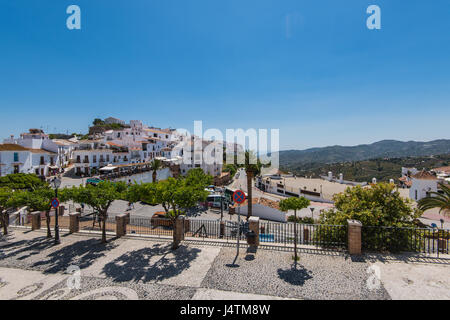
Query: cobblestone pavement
point(31, 267)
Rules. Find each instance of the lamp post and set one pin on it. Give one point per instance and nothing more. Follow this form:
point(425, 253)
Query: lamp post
point(56, 183)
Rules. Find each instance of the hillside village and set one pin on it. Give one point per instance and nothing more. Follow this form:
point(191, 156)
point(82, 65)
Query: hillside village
point(116, 150)
point(124, 149)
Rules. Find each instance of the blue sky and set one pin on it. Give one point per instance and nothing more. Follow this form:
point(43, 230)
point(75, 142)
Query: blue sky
point(310, 68)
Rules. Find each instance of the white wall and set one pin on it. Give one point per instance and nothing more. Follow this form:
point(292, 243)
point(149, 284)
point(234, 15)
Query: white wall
point(7, 158)
point(422, 186)
point(264, 212)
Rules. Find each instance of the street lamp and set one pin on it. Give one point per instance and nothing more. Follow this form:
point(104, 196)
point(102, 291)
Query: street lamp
point(312, 212)
point(56, 183)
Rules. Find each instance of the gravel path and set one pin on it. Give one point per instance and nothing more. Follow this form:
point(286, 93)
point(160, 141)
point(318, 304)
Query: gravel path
point(142, 269)
point(315, 277)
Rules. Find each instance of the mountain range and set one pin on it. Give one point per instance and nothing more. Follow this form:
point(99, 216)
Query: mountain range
point(381, 149)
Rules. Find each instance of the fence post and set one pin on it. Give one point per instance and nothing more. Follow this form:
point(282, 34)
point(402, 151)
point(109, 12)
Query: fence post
point(253, 225)
point(121, 225)
point(354, 237)
point(35, 220)
point(74, 222)
point(222, 229)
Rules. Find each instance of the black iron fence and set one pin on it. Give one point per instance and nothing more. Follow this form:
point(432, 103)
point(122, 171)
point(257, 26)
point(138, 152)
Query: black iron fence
point(396, 239)
point(215, 229)
point(150, 226)
point(326, 236)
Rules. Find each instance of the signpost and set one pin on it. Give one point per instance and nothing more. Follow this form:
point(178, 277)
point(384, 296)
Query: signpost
point(239, 198)
point(55, 203)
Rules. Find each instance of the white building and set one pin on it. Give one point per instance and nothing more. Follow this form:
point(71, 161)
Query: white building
point(36, 139)
point(422, 183)
point(112, 120)
point(15, 158)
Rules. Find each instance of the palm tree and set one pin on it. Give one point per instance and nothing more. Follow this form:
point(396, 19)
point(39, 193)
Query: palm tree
point(252, 168)
point(437, 200)
point(155, 166)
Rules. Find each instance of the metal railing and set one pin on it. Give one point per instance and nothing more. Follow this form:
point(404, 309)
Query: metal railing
point(214, 229)
point(398, 239)
point(319, 235)
point(150, 226)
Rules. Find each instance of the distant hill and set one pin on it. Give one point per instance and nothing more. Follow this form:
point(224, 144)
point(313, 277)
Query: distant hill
point(381, 149)
point(382, 160)
point(363, 171)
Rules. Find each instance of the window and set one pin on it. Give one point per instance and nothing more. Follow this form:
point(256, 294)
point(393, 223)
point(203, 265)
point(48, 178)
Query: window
point(42, 160)
point(107, 158)
point(94, 158)
point(16, 156)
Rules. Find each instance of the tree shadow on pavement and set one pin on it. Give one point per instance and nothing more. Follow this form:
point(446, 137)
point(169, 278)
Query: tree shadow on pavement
point(24, 249)
point(151, 264)
point(81, 253)
point(297, 275)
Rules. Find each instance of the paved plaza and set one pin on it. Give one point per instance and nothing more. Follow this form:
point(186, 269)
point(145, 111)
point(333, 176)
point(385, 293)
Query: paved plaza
point(32, 267)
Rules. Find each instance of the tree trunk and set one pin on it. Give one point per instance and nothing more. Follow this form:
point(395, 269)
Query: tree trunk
point(249, 192)
point(4, 222)
point(295, 237)
point(154, 176)
point(103, 217)
point(175, 243)
point(47, 220)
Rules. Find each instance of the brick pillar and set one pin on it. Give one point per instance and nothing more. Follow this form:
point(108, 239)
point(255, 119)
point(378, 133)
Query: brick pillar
point(121, 225)
point(74, 222)
point(354, 237)
point(35, 220)
point(253, 225)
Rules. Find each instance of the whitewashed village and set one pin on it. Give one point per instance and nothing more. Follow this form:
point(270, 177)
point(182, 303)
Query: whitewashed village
point(126, 154)
point(124, 184)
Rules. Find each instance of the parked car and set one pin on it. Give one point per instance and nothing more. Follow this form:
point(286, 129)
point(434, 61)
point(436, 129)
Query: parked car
point(160, 219)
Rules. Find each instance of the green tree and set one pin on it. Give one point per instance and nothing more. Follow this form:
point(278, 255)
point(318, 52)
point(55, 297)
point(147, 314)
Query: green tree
point(197, 178)
point(231, 168)
point(155, 166)
point(37, 200)
point(21, 181)
point(133, 193)
point(294, 204)
point(252, 168)
point(175, 196)
point(377, 205)
point(437, 200)
point(98, 122)
point(99, 197)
